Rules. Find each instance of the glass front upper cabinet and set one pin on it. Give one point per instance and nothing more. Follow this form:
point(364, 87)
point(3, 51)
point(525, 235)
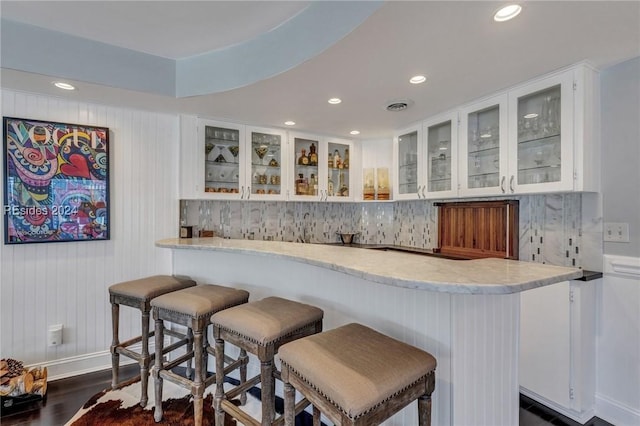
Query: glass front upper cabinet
point(408, 175)
point(306, 167)
point(483, 147)
point(222, 168)
point(441, 133)
point(338, 170)
point(266, 173)
point(542, 125)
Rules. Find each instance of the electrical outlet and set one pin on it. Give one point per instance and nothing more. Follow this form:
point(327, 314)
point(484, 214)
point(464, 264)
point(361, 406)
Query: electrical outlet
point(616, 232)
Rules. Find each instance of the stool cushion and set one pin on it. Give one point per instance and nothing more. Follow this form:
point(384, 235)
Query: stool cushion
point(200, 300)
point(267, 320)
point(356, 367)
point(146, 289)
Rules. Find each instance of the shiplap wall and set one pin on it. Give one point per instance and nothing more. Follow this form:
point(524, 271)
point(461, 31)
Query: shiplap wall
point(67, 283)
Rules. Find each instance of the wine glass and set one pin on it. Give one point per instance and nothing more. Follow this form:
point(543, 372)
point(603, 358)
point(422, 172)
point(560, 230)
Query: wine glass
point(261, 151)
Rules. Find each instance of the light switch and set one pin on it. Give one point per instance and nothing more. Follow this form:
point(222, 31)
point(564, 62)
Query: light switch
point(616, 232)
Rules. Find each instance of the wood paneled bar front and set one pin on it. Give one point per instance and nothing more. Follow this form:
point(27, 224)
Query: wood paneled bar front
point(466, 313)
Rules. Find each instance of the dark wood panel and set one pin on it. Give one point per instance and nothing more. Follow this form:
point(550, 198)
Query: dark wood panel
point(478, 229)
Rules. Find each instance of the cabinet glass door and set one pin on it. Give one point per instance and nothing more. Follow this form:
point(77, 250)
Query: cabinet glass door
point(539, 142)
point(266, 163)
point(222, 160)
point(483, 155)
point(408, 163)
point(338, 182)
point(306, 167)
point(439, 154)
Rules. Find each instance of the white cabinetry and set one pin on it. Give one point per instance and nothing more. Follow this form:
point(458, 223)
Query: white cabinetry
point(557, 347)
point(266, 176)
point(408, 164)
point(441, 151)
point(483, 159)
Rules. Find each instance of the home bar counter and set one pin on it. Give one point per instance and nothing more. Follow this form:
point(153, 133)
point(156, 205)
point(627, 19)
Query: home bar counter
point(466, 313)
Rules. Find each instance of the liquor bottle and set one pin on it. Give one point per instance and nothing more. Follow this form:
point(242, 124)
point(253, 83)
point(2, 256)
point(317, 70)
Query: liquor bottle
point(303, 160)
point(313, 155)
point(346, 158)
point(336, 159)
point(330, 161)
point(300, 184)
point(313, 185)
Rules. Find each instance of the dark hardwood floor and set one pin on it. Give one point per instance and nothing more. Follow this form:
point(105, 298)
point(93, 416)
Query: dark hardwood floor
point(66, 396)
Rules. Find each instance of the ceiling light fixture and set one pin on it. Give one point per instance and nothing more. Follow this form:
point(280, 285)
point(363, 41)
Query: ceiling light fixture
point(485, 135)
point(63, 86)
point(532, 115)
point(417, 79)
point(507, 12)
point(334, 101)
point(289, 123)
point(355, 132)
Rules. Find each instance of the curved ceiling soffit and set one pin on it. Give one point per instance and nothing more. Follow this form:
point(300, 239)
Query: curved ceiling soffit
point(297, 40)
point(33, 49)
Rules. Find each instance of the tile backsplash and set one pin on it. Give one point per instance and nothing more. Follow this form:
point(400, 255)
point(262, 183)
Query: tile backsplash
point(559, 229)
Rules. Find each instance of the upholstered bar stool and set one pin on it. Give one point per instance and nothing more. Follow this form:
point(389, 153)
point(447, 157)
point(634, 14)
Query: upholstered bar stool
point(138, 294)
point(356, 376)
point(191, 307)
point(259, 328)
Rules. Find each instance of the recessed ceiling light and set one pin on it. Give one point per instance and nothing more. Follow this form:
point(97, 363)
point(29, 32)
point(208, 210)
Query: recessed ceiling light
point(532, 115)
point(355, 132)
point(485, 135)
point(290, 123)
point(64, 86)
point(334, 101)
point(507, 12)
point(417, 79)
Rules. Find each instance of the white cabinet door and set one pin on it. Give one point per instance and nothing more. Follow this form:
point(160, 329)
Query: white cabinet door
point(545, 337)
point(441, 155)
point(408, 165)
point(482, 156)
point(266, 174)
point(339, 179)
point(541, 135)
point(307, 182)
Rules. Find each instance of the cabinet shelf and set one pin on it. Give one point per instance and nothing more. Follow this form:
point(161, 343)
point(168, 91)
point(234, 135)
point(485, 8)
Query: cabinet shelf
point(222, 163)
point(541, 168)
point(408, 165)
point(541, 140)
point(484, 174)
point(483, 150)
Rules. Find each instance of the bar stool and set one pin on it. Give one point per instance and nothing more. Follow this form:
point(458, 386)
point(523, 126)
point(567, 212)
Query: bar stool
point(138, 294)
point(259, 328)
point(356, 376)
point(191, 307)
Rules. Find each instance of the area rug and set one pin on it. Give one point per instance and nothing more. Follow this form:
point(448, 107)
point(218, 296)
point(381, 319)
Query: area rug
point(120, 407)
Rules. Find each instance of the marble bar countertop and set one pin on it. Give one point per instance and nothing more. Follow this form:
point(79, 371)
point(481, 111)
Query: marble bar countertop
point(409, 270)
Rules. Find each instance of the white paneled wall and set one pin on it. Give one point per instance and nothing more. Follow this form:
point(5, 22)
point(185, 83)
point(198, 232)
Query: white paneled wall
point(66, 283)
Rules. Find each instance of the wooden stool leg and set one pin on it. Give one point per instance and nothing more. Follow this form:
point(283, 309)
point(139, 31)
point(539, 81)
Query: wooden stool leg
point(198, 386)
point(144, 359)
point(219, 396)
point(244, 358)
point(424, 410)
point(316, 416)
point(189, 350)
point(205, 354)
point(115, 356)
point(268, 387)
point(289, 405)
point(159, 335)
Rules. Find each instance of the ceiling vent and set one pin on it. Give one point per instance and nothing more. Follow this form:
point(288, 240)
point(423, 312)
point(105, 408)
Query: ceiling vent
point(398, 105)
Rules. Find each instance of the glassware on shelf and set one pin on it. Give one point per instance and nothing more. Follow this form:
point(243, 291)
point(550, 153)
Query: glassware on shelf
point(261, 151)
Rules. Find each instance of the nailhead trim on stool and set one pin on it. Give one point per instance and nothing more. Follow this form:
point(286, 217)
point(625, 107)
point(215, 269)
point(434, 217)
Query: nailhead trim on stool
point(138, 294)
point(356, 376)
point(192, 308)
point(260, 328)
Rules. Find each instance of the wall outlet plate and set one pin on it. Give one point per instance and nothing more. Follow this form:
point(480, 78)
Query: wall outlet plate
point(616, 232)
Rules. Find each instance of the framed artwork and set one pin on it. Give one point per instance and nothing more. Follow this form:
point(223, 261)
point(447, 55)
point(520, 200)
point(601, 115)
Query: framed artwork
point(56, 182)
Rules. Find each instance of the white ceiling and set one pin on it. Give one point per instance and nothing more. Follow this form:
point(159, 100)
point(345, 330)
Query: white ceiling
point(464, 54)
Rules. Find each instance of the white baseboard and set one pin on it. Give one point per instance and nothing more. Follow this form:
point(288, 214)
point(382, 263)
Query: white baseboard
point(580, 417)
point(616, 413)
point(78, 365)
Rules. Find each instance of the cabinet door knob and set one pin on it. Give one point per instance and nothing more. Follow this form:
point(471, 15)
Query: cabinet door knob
point(502, 184)
point(423, 189)
point(418, 191)
point(248, 192)
point(511, 183)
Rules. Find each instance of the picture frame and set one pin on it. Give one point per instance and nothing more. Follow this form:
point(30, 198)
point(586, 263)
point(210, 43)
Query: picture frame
point(56, 181)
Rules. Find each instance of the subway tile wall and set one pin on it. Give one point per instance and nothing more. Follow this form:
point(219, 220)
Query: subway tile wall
point(559, 229)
